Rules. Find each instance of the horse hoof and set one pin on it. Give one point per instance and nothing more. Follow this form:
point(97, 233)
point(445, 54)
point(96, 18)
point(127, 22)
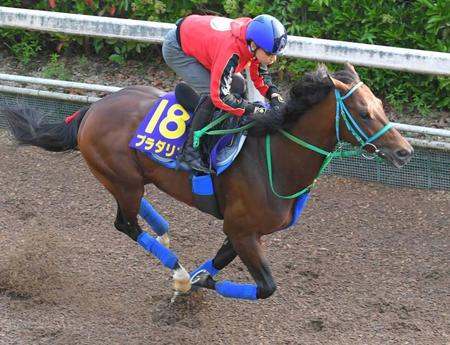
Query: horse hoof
point(181, 280)
point(164, 240)
point(182, 286)
point(202, 279)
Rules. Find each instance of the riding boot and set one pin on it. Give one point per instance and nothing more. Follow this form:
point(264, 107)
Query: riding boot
point(189, 154)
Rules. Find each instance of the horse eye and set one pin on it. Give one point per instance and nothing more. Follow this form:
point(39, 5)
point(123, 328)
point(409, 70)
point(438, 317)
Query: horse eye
point(364, 114)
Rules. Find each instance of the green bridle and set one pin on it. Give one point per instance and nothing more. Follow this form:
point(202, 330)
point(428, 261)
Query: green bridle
point(352, 126)
point(341, 111)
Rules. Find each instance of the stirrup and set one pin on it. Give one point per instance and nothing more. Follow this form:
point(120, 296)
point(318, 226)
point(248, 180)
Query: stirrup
point(197, 164)
point(190, 159)
point(202, 169)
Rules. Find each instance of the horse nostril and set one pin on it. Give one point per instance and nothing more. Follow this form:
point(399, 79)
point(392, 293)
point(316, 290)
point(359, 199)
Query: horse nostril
point(403, 153)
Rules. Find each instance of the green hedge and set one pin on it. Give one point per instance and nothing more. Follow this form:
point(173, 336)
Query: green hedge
point(416, 24)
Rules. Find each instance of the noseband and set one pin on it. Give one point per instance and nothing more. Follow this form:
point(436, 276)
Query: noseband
point(343, 112)
point(352, 126)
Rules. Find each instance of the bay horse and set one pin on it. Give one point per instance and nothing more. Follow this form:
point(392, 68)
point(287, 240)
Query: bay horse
point(322, 110)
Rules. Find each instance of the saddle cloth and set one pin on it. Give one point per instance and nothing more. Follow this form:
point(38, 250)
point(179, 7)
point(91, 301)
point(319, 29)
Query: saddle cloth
point(162, 134)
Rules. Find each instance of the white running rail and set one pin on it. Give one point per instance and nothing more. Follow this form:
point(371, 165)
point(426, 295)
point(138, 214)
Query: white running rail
point(402, 59)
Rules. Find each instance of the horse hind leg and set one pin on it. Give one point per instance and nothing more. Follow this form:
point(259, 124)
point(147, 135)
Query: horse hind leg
point(157, 222)
point(128, 193)
point(154, 247)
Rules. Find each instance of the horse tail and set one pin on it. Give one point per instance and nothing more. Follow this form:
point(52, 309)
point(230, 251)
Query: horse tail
point(29, 127)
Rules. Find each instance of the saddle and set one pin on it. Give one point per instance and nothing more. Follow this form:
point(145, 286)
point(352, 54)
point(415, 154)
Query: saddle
point(213, 148)
point(162, 133)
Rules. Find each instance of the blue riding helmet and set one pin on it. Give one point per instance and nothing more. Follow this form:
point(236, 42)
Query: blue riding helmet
point(268, 33)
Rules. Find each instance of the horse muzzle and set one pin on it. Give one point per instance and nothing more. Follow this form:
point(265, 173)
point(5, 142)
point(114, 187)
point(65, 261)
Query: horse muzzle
point(397, 157)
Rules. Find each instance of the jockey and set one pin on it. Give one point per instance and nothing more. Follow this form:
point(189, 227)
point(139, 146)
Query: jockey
point(208, 52)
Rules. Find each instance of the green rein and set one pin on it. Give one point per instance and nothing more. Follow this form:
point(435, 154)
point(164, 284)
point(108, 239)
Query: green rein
point(341, 111)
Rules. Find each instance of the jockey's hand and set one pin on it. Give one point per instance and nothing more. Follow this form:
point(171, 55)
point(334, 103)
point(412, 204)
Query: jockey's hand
point(254, 110)
point(276, 101)
point(259, 111)
point(268, 119)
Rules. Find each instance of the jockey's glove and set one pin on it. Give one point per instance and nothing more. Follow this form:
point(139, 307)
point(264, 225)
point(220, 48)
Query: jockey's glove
point(253, 109)
point(259, 113)
point(276, 101)
point(269, 119)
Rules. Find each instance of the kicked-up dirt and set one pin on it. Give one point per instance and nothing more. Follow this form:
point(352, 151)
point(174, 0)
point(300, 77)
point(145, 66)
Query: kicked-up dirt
point(365, 265)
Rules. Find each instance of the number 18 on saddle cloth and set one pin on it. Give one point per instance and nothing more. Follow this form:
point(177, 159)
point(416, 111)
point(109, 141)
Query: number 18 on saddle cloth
point(164, 129)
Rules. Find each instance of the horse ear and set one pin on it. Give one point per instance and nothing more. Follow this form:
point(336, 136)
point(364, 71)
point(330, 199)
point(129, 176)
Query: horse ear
point(323, 69)
point(338, 84)
point(349, 67)
point(330, 78)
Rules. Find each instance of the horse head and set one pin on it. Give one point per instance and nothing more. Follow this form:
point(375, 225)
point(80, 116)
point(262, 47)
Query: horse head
point(361, 119)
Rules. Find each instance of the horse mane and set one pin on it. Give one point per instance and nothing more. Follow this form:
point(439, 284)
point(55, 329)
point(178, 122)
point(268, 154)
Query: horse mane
point(310, 90)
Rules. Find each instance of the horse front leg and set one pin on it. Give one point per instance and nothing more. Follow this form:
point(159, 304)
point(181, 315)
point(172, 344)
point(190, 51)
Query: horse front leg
point(248, 248)
point(202, 276)
point(250, 251)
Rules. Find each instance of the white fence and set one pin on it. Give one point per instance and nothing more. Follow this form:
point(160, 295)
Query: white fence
point(411, 60)
point(402, 59)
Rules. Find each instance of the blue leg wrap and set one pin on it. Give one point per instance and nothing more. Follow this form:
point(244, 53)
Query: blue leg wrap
point(165, 255)
point(208, 266)
point(236, 290)
point(153, 218)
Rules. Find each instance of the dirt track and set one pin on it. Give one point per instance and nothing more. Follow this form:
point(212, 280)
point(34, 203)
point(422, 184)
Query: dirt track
point(366, 264)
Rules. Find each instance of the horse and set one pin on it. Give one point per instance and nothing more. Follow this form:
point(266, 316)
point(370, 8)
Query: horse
point(322, 110)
